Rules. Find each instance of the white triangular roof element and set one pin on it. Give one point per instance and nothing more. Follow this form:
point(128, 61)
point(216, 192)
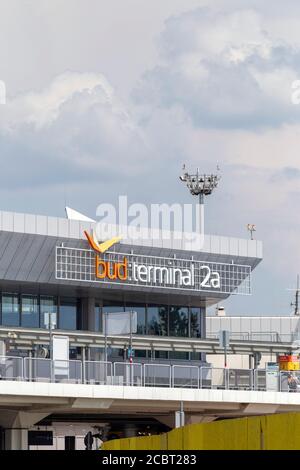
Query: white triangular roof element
point(75, 215)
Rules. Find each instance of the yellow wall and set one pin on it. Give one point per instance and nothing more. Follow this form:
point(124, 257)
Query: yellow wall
point(272, 432)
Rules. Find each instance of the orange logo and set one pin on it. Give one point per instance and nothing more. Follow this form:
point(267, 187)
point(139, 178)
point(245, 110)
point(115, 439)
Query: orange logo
point(108, 269)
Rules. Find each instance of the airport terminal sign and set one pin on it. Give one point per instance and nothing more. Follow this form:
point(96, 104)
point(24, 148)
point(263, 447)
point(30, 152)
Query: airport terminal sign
point(111, 267)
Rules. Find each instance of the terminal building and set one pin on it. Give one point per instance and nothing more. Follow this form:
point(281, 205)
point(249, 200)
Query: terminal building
point(55, 270)
point(47, 265)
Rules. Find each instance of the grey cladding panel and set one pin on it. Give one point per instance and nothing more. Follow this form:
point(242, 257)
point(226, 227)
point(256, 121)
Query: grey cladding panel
point(47, 272)
point(275, 325)
point(4, 241)
point(7, 221)
point(41, 225)
point(235, 325)
point(19, 256)
point(19, 223)
point(45, 251)
point(245, 325)
point(30, 257)
point(9, 253)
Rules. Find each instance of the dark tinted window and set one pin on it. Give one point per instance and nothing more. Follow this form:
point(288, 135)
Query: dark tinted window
point(29, 311)
point(68, 314)
point(10, 310)
point(141, 317)
point(40, 438)
point(157, 320)
point(178, 321)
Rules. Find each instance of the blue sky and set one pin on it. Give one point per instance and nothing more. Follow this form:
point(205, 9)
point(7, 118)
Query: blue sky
point(108, 98)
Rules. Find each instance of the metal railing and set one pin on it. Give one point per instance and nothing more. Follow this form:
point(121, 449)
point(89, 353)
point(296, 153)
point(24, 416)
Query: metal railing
point(48, 370)
point(157, 375)
point(98, 373)
point(268, 336)
point(128, 373)
point(148, 375)
point(185, 376)
point(11, 368)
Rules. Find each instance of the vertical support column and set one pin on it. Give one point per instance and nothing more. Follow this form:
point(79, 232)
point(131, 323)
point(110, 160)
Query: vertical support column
point(88, 314)
point(203, 328)
point(91, 314)
point(16, 439)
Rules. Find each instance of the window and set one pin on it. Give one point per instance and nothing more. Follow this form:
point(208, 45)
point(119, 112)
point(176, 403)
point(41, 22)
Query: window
point(140, 353)
point(10, 310)
point(195, 325)
point(113, 307)
point(157, 320)
point(195, 356)
point(48, 305)
point(70, 443)
point(68, 314)
point(98, 317)
point(161, 354)
point(29, 311)
point(178, 321)
point(40, 438)
point(179, 355)
point(141, 317)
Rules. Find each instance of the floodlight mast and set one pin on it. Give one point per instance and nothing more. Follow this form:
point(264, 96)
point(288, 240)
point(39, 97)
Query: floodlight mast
point(200, 184)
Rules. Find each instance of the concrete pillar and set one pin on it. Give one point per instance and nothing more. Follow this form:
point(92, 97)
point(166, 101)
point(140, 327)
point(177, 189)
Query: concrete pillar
point(16, 439)
point(16, 425)
point(88, 314)
point(91, 315)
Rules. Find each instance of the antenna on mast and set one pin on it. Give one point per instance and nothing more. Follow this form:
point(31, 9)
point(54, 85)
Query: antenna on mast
point(295, 304)
point(200, 184)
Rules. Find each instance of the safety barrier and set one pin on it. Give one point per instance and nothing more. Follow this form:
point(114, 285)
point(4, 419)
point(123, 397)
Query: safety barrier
point(148, 375)
point(271, 432)
point(11, 368)
point(98, 373)
point(48, 370)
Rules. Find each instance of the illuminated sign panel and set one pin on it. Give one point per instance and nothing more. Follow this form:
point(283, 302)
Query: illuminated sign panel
point(155, 272)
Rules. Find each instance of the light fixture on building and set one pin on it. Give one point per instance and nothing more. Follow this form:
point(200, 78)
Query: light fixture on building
point(251, 229)
point(200, 184)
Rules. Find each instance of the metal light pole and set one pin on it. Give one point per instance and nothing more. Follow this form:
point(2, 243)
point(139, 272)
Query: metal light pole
point(251, 228)
point(200, 184)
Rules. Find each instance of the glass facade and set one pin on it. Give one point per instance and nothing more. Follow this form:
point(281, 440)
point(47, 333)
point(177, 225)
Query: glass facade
point(68, 308)
point(10, 310)
point(48, 305)
point(157, 320)
point(195, 323)
point(141, 317)
point(178, 321)
point(98, 317)
point(29, 311)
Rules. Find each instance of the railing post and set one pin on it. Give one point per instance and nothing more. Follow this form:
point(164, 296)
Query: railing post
point(280, 380)
point(83, 378)
point(22, 368)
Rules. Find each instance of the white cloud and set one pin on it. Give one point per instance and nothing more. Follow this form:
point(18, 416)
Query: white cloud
point(225, 69)
point(74, 129)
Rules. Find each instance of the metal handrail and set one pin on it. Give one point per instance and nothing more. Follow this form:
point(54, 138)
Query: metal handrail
point(148, 374)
